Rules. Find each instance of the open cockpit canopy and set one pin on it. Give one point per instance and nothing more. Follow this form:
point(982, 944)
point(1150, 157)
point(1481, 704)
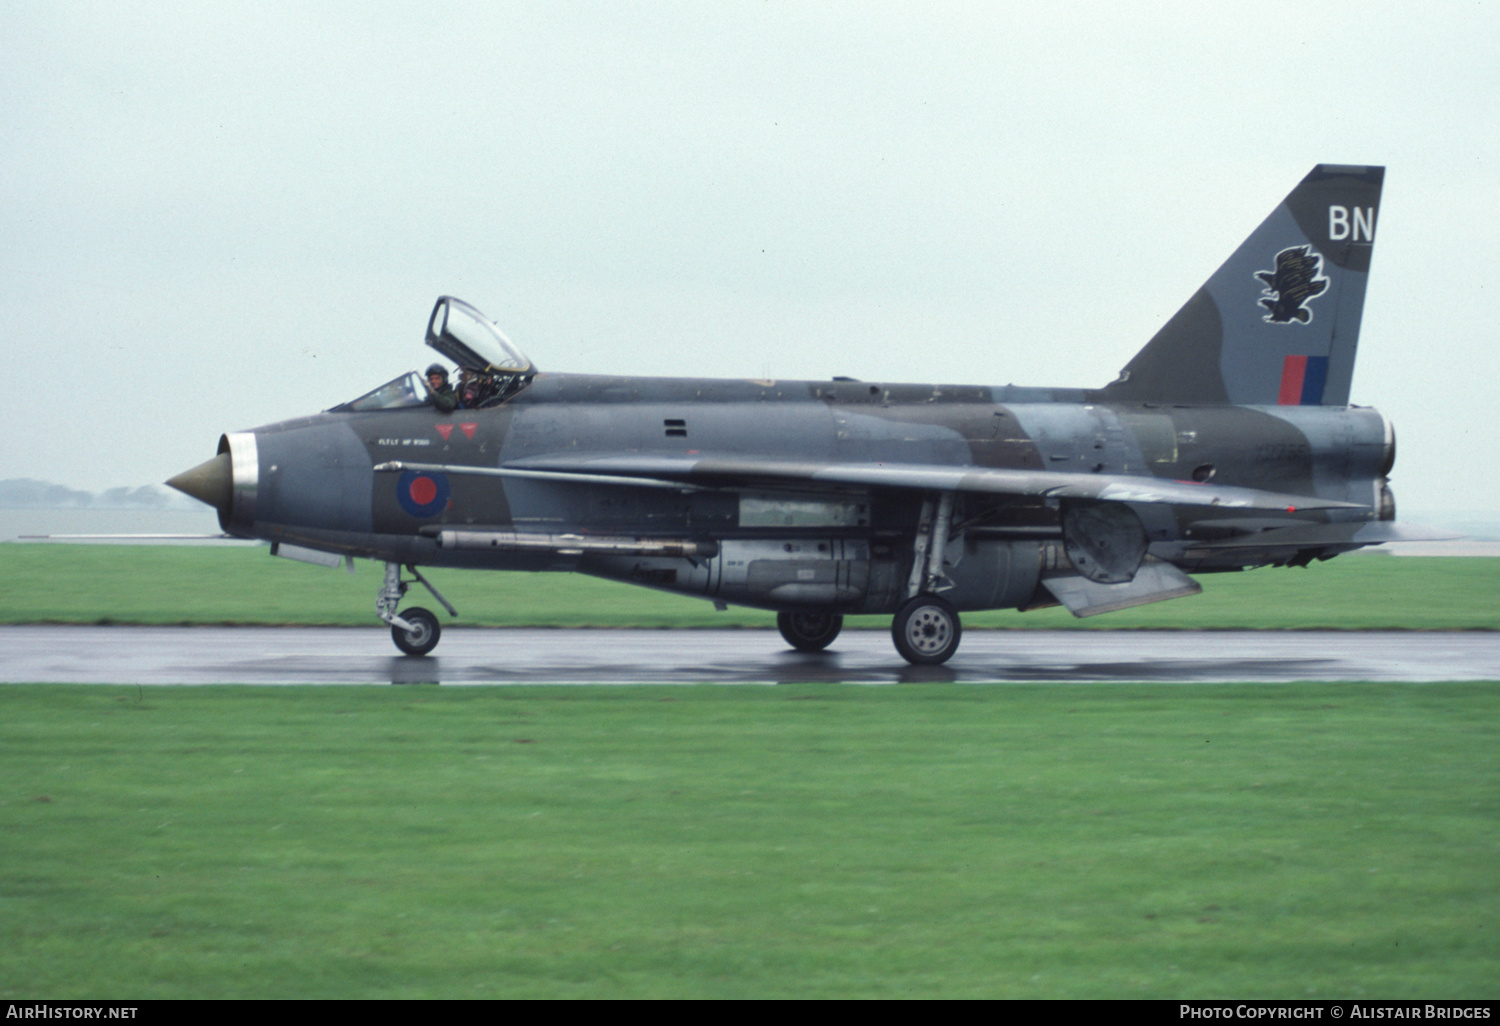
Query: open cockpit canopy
point(470, 339)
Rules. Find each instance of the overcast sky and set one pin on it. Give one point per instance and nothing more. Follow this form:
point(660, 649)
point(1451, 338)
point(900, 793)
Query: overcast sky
point(217, 216)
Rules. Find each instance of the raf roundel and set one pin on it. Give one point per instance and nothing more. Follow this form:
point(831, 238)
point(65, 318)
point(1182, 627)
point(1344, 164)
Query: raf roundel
point(423, 494)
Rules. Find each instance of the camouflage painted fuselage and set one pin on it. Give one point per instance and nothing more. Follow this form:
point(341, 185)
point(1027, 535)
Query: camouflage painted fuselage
point(843, 547)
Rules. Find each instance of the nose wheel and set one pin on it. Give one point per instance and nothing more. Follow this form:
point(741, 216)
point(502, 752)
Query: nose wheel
point(421, 636)
point(416, 631)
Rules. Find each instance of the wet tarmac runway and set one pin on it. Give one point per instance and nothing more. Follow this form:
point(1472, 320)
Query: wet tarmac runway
point(267, 655)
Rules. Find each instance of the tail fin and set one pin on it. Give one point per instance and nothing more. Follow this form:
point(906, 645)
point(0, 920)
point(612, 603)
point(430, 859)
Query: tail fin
point(1279, 322)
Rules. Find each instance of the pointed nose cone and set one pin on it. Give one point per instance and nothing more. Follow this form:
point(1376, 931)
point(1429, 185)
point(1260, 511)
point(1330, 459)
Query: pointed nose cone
point(211, 481)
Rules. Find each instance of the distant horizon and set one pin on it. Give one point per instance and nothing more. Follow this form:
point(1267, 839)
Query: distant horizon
point(35, 493)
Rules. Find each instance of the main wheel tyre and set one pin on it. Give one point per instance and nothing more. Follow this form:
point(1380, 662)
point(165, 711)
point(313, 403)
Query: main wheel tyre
point(811, 631)
point(423, 636)
point(926, 630)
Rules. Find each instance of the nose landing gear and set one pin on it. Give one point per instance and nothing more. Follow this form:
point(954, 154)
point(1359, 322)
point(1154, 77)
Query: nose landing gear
point(416, 631)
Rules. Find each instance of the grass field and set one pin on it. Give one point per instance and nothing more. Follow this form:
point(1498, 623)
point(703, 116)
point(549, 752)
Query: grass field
point(1018, 841)
point(167, 584)
point(799, 840)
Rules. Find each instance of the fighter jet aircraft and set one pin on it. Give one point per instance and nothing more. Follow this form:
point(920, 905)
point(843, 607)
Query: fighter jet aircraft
point(1227, 442)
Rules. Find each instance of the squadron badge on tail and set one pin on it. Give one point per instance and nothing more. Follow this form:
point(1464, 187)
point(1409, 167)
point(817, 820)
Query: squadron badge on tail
point(1297, 280)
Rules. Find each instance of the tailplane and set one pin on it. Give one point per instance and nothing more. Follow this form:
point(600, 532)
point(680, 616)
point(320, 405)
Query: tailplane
point(1278, 323)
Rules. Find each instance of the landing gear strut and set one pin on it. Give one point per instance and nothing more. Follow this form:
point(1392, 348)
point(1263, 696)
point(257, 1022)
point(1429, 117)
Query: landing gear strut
point(417, 631)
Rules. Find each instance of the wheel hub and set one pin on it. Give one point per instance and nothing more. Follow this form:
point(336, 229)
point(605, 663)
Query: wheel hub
point(929, 631)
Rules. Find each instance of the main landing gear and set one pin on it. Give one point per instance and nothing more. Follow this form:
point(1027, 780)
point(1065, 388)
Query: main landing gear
point(926, 628)
point(811, 630)
point(416, 631)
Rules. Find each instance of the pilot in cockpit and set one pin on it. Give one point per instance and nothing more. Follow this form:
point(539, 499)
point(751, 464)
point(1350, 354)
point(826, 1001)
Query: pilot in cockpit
point(439, 392)
point(475, 388)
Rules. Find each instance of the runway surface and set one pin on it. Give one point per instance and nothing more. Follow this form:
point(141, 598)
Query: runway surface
point(292, 655)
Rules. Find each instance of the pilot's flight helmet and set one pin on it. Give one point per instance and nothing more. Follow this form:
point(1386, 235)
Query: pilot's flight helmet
point(439, 369)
